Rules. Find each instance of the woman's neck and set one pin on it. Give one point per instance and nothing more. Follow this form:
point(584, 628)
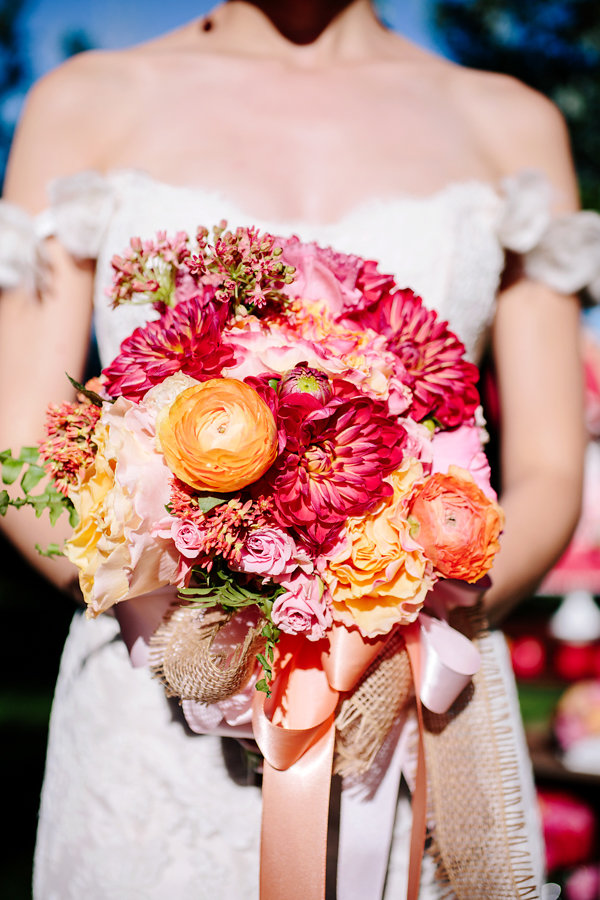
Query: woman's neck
point(301, 32)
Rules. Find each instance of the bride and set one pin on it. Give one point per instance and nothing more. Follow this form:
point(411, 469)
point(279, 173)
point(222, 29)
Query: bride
point(306, 117)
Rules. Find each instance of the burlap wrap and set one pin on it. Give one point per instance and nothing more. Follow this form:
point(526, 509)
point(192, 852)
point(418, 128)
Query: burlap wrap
point(184, 659)
point(479, 840)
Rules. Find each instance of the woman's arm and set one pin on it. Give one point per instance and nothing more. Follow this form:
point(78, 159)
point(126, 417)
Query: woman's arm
point(536, 346)
point(45, 336)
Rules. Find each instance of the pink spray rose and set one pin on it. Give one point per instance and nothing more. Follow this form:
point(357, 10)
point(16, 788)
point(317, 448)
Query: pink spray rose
point(270, 551)
point(304, 608)
point(187, 537)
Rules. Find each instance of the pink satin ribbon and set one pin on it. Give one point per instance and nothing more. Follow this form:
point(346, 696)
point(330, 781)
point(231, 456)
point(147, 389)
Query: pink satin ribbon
point(295, 731)
point(419, 796)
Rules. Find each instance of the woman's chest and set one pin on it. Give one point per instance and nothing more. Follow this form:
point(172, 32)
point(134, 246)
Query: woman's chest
point(300, 145)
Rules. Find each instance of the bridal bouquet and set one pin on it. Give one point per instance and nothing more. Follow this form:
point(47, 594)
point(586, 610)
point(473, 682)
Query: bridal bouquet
point(291, 447)
point(290, 432)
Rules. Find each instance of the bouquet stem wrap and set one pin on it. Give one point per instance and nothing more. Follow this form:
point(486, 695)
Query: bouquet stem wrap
point(295, 730)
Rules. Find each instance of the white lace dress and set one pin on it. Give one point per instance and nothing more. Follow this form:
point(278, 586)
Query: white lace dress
point(134, 805)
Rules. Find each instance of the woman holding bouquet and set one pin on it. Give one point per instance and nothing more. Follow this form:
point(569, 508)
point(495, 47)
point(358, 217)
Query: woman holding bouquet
point(307, 118)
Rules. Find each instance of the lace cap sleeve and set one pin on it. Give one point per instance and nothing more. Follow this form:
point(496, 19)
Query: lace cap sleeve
point(78, 213)
point(18, 242)
point(563, 251)
point(80, 207)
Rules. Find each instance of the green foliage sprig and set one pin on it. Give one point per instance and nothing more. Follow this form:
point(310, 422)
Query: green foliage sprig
point(224, 588)
point(26, 466)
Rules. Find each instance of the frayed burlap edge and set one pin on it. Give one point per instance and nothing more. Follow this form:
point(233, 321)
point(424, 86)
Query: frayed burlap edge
point(480, 840)
point(366, 716)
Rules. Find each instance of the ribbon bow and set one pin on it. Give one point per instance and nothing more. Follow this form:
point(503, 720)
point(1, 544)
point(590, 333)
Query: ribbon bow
point(295, 730)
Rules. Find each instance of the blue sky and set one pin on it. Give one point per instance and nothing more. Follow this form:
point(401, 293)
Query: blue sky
point(117, 23)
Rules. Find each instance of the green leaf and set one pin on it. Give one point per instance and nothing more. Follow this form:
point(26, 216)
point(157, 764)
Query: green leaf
point(29, 455)
point(268, 670)
point(32, 477)
point(263, 686)
point(51, 551)
point(11, 469)
point(228, 589)
point(4, 502)
point(206, 502)
point(92, 396)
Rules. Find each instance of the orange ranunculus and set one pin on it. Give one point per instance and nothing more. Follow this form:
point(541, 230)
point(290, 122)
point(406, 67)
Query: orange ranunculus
point(456, 524)
point(218, 435)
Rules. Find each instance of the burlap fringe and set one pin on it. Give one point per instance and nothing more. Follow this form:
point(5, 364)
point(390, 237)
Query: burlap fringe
point(185, 658)
point(480, 838)
point(366, 716)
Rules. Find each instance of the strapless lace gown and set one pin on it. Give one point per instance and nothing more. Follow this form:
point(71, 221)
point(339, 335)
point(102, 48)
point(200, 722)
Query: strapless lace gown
point(134, 805)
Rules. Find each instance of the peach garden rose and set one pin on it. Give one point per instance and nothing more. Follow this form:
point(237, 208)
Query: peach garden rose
point(118, 500)
point(379, 576)
point(218, 435)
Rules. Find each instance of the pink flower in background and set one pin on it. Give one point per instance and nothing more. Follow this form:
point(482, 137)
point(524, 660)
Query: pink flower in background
point(583, 883)
point(304, 608)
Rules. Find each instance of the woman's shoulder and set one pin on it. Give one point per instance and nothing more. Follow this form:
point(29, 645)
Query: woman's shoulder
point(67, 119)
point(517, 127)
point(75, 115)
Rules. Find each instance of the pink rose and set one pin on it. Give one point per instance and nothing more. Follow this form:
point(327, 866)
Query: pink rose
point(462, 447)
point(304, 608)
point(270, 551)
point(257, 352)
point(322, 274)
point(187, 537)
point(418, 442)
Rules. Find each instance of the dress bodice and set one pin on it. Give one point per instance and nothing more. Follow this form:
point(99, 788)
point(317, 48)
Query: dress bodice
point(449, 247)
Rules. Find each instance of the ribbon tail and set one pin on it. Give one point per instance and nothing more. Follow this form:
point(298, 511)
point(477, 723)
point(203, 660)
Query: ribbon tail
point(419, 797)
point(294, 824)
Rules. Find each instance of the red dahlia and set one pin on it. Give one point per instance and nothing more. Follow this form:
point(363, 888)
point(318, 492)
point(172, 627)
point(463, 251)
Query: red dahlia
point(186, 338)
point(334, 464)
point(443, 382)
